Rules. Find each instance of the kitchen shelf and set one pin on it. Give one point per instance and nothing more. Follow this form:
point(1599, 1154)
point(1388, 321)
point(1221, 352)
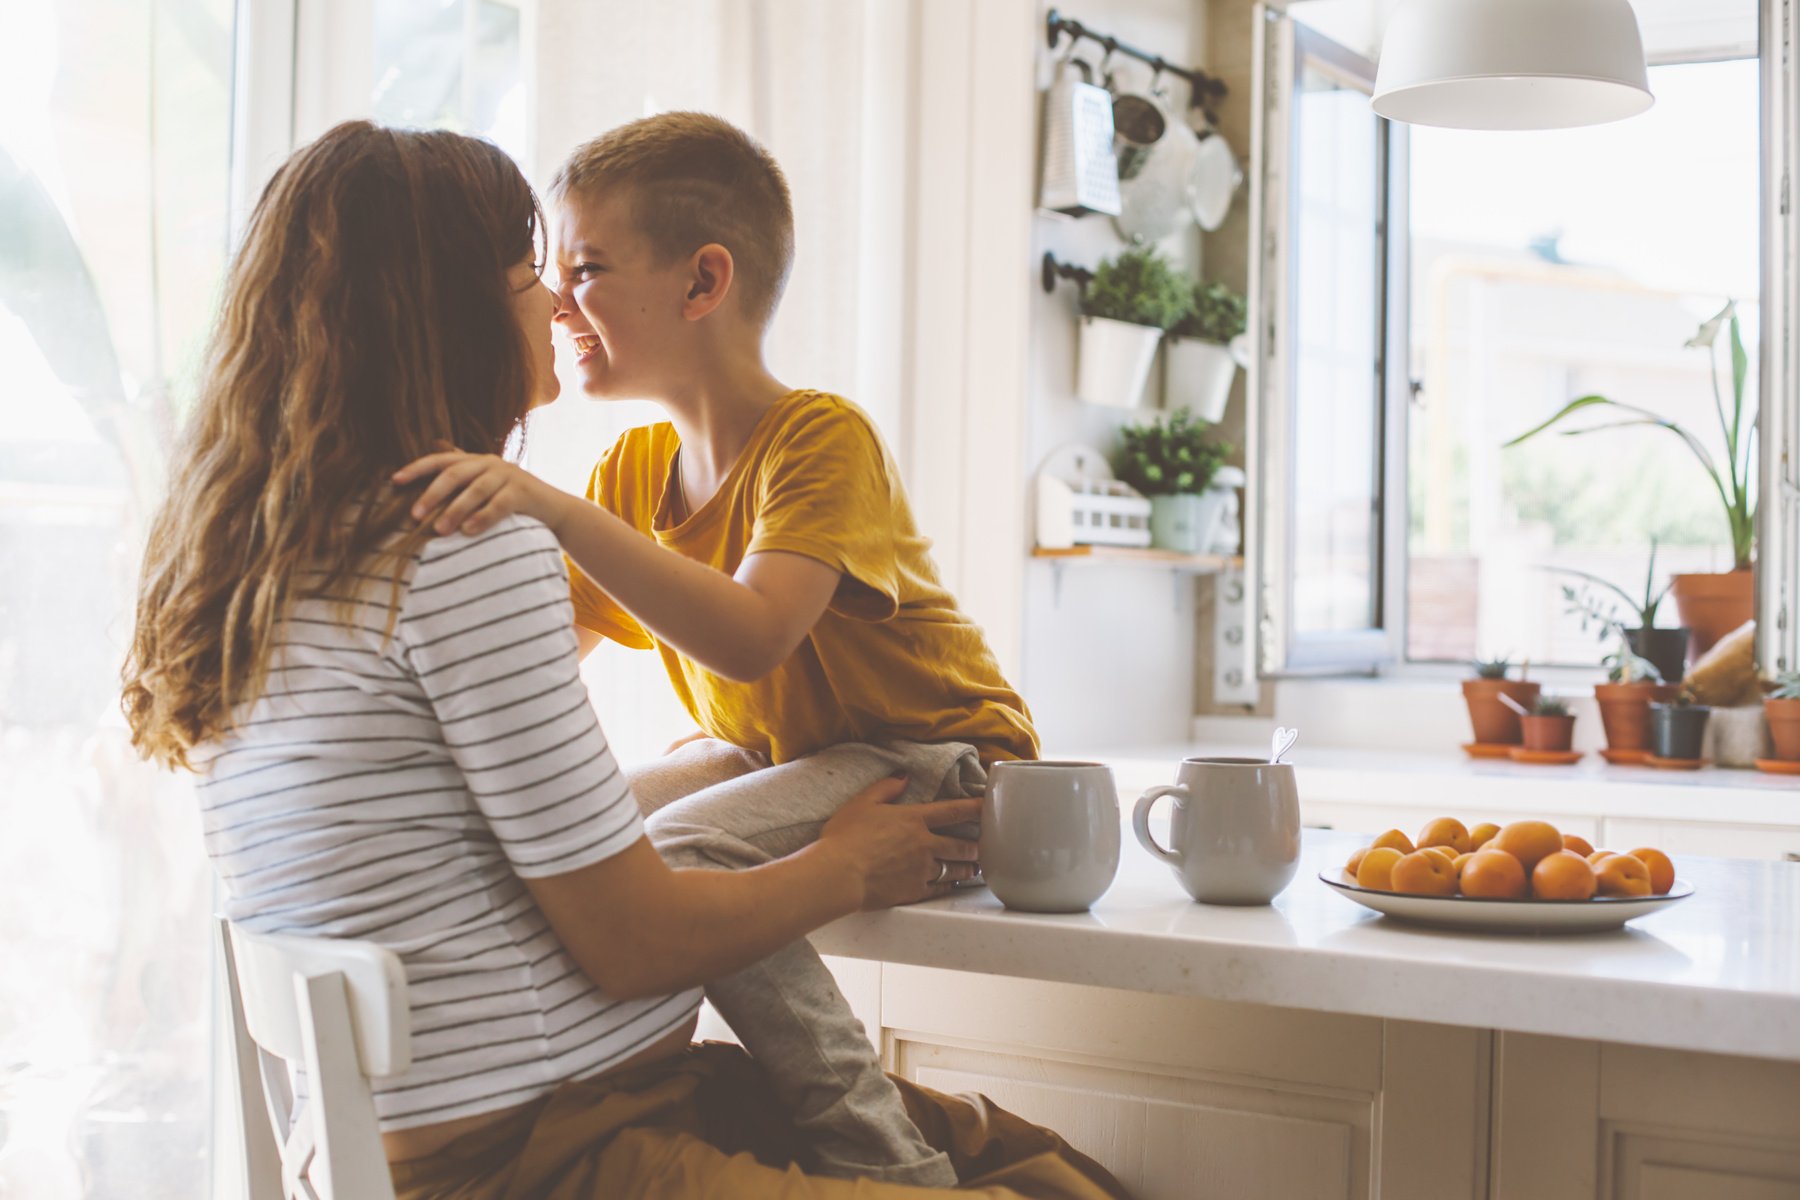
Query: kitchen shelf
point(1173, 560)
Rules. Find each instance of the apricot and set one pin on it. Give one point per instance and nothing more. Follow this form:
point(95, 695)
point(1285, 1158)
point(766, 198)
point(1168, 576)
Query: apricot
point(1564, 875)
point(1355, 862)
point(1443, 852)
point(1482, 834)
point(1662, 869)
point(1462, 860)
point(1596, 856)
point(1528, 841)
point(1394, 839)
point(1493, 875)
point(1445, 831)
point(1423, 873)
point(1577, 843)
point(1622, 875)
point(1376, 872)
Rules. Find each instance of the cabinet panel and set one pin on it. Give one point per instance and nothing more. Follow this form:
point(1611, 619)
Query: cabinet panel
point(1659, 1166)
point(1170, 1138)
point(1696, 837)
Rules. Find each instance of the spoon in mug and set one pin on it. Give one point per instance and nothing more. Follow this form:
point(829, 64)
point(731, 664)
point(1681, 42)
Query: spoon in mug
point(1282, 742)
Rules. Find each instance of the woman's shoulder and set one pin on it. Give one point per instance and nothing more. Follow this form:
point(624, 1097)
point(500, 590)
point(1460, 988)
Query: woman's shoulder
point(508, 545)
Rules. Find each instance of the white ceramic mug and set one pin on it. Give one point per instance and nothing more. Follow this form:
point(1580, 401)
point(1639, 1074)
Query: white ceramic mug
point(1050, 834)
point(1235, 832)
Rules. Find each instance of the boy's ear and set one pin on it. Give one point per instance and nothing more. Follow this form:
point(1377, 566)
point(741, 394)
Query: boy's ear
point(711, 272)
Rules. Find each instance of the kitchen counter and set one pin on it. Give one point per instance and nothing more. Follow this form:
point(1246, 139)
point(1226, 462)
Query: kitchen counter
point(1719, 972)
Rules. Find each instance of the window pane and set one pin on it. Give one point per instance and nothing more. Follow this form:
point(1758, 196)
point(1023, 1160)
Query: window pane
point(1548, 266)
point(1337, 288)
point(114, 145)
point(455, 64)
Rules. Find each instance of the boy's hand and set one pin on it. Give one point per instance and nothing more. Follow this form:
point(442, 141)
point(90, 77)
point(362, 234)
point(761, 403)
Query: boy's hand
point(473, 491)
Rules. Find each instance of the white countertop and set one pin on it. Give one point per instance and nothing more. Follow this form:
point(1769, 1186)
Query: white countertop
point(1718, 972)
point(1452, 781)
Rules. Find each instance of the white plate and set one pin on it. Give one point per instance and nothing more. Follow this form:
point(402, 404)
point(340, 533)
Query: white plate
point(1510, 916)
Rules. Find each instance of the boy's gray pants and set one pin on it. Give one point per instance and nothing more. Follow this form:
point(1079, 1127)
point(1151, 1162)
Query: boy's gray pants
point(712, 805)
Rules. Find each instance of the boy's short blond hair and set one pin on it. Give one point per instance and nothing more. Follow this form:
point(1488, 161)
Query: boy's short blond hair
point(694, 178)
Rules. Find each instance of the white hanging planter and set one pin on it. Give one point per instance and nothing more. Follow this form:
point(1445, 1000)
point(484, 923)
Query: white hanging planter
point(1115, 360)
point(1188, 523)
point(1198, 375)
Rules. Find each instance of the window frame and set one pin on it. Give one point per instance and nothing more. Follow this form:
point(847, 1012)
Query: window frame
point(1282, 45)
point(1283, 49)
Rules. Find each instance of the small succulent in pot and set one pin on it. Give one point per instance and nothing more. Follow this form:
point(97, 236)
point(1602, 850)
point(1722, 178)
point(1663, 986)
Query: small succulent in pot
point(1494, 723)
point(1548, 726)
point(1781, 708)
point(1632, 683)
point(1678, 728)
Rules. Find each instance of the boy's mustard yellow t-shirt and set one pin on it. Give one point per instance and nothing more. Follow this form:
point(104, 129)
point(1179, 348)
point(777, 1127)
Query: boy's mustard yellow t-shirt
point(892, 657)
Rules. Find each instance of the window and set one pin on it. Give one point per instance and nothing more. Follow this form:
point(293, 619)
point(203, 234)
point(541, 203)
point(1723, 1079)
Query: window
point(1328, 278)
point(114, 180)
point(1522, 270)
point(1551, 265)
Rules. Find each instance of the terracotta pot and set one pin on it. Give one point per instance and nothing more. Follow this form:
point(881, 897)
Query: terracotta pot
point(1665, 648)
point(1625, 711)
point(1711, 606)
point(1678, 731)
point(1494, 723)
point(1784, 727)
point(1548, 733)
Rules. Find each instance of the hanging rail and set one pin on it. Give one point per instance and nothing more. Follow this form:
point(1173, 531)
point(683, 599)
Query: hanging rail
point(1202, 87)
point(1050, 270)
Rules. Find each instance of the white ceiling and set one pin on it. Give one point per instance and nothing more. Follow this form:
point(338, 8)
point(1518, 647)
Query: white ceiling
point(1671, 28)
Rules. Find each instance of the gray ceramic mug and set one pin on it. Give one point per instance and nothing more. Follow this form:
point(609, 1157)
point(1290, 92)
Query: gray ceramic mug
point(1235, 832)
point(1050, 834)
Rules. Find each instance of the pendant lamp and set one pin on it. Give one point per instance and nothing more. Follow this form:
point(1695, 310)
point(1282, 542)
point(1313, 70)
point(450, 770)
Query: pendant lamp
point(1512, 64)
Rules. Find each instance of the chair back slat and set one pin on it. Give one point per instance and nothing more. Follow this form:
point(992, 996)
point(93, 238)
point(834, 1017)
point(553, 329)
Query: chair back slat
point(336, 1010)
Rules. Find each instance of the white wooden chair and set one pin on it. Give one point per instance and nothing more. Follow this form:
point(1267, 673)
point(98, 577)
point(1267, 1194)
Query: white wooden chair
point(338, 1010)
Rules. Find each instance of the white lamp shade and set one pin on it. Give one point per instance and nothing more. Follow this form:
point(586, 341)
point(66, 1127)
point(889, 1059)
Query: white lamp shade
point(1512, 64)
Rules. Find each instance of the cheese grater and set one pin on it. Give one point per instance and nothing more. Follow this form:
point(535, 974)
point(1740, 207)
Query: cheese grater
point(1081, 175)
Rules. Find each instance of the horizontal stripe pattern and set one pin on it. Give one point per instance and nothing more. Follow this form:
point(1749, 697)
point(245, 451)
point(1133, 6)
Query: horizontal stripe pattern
point(399, 786)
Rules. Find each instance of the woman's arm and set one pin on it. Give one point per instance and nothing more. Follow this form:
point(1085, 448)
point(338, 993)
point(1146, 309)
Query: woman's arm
point(639, 928)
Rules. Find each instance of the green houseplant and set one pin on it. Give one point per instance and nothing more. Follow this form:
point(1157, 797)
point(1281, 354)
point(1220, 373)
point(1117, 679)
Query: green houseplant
point(1125, 308)
point(1549, 726)
point(1782, 709)
point(1494, 723)
point(1667, 648)
point(1173, 462)
point(1205, 349)
point(1633, 684)
point(1711, 605)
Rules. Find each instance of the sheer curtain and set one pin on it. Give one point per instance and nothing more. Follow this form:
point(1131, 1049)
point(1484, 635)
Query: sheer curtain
point(822, 84)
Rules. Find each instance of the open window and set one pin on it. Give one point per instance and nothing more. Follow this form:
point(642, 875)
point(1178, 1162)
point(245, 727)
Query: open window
point(1328, 299)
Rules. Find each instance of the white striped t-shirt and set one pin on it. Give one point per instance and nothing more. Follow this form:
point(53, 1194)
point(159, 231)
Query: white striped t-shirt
point(398, 792)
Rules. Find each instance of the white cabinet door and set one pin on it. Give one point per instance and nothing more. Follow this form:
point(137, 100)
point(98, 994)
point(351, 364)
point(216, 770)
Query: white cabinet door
point(1698, 837)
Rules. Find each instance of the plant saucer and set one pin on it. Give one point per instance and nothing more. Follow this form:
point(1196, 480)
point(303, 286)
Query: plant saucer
point(1487, 749)
point(1778, 766)
point(1544, 758)
point(1625, 758)
point(1674, 764)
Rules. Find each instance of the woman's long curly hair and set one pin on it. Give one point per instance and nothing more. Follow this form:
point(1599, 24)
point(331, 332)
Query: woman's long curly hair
point(367, 318)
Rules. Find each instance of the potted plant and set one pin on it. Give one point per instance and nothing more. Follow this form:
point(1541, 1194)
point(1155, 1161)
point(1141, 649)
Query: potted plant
point(1173, 462)
point(1204, 351)
point(1782, 709)
point(1124, 309)
point(1495, 724)
point(1711, 605)
point(1678, 728)
point(1632, 684)
point(1666, 648)
point(1549, 725)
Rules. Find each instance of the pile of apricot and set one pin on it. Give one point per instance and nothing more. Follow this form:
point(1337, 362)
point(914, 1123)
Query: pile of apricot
point(1524, 860)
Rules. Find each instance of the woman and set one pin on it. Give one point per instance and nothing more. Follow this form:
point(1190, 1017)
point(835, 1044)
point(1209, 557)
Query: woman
point(395, 745)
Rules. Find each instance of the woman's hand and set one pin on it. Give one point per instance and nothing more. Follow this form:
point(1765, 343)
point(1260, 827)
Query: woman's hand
point(896, 847)
point(474, 491)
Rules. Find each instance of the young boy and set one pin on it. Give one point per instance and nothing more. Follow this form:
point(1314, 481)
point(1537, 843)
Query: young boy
point(762, 543)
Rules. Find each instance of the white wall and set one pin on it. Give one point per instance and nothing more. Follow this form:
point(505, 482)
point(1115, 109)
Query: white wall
point(1109, 656)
